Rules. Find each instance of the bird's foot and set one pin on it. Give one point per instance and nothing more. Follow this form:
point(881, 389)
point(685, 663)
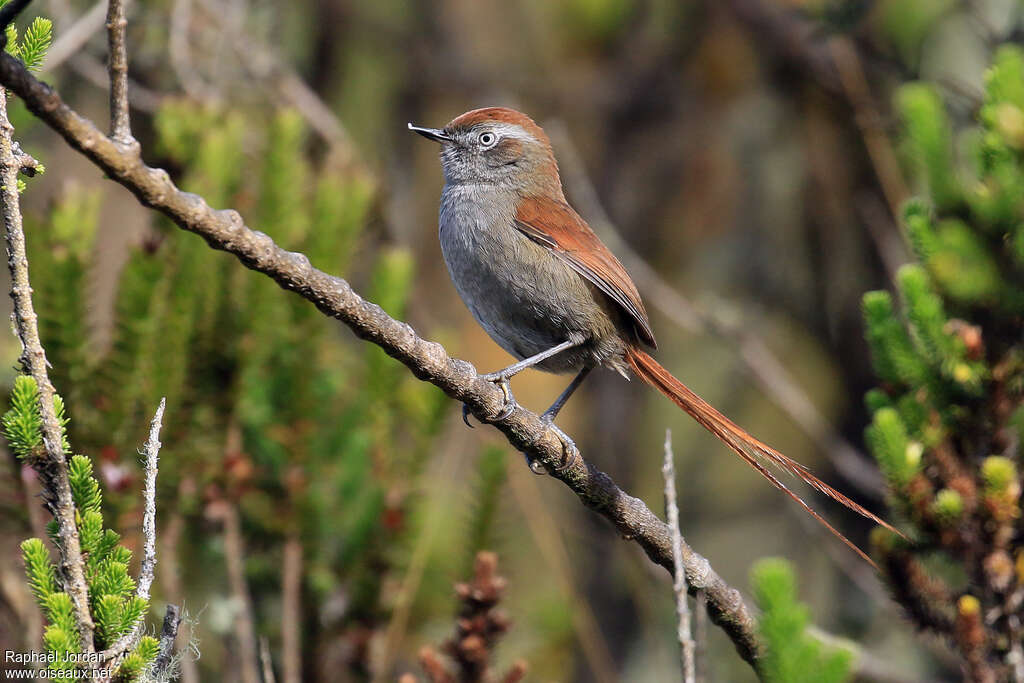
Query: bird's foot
point(508, 407)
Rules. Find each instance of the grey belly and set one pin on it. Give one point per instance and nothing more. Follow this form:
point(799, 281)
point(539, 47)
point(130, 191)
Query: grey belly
point(528, 300)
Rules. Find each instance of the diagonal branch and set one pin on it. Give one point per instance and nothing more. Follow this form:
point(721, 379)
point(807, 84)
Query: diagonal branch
point(52, 469)
point(427, 360)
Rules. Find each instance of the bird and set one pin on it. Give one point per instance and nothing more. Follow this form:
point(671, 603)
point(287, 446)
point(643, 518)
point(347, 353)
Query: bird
point(545, 288)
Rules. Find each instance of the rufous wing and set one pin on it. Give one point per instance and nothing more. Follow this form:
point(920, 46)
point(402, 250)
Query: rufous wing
point(554, 224)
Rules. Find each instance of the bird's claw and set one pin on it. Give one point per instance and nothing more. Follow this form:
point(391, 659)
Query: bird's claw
point(570, 452)
point(536, 466)
point(509, 406)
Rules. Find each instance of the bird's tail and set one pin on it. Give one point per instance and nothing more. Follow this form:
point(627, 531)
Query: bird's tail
point(756, 454)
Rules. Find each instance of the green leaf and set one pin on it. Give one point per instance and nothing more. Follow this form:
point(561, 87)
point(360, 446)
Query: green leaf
point(36, 43)
point(961, 264)
point(106, 612)
point(929, 141)
point(111, 578)
point(90, 529)
point(1004, 96)
point(892, 352)
point(42, 575)
point(135, 663)
point(23, 424)
point(927, 317)
point(898, 458)
point(791, 655)
point(84, 487)
point(133, 609)
point(59, 611)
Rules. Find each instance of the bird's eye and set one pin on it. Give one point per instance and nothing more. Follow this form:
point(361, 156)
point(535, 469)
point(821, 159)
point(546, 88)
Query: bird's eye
point(488, 139)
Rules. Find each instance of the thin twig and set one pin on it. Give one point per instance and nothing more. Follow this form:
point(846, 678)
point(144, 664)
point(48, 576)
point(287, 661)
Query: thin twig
point(684, 634)
point(151, 451)
point(869, 121)
point(225, 230)
point(1015, 657)
point(52, 469)
point(117, 63)
point(266, 663)
point(168, 634)
point(291, 610)
point(700, 635)
point(884, 234)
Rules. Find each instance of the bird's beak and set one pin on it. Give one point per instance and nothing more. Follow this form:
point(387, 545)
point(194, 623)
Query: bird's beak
point(435, 134)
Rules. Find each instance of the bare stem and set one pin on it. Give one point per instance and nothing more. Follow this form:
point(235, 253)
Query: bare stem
point(120, 126)
point(52, 468)
point(168, 634)
point(684, 633)
point(266, 663)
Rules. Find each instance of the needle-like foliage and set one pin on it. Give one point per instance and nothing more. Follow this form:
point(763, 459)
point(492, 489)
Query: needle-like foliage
point(946, 419)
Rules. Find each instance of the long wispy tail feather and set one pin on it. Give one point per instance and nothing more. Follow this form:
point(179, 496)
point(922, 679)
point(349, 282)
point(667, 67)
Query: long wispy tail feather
point(755, 453)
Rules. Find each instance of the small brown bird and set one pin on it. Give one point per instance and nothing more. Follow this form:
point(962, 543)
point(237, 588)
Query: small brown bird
point(545, 288)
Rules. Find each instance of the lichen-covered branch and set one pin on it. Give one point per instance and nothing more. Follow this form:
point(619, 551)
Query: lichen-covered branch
point(151, 452)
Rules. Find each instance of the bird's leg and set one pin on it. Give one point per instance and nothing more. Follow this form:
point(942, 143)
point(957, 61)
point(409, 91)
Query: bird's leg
point(501, 378)
point(548, 417)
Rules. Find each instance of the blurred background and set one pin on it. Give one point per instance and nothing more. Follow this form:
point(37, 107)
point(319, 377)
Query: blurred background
point(742, 157)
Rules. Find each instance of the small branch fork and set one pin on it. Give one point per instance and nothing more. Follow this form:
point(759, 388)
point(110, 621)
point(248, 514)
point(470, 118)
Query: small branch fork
point(428, 361)
point(52, 468)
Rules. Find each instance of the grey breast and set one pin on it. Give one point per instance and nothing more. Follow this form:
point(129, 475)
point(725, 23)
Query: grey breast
point(506, 280)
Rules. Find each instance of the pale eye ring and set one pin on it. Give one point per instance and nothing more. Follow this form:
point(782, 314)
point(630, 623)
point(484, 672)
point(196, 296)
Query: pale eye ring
point(487, 139)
